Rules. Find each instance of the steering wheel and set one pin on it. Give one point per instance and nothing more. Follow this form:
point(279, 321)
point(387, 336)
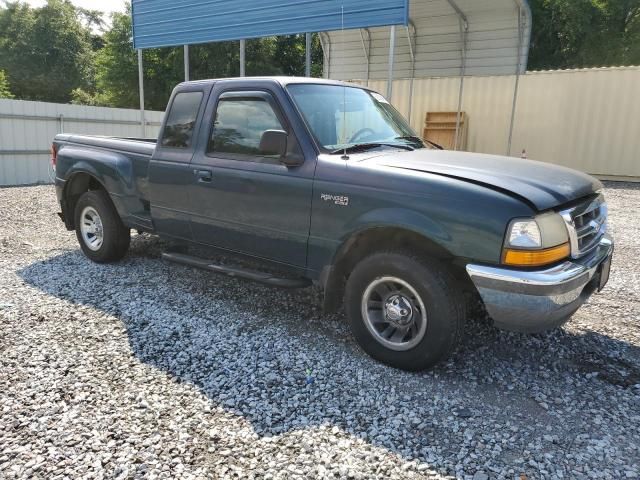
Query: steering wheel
point(360, 132)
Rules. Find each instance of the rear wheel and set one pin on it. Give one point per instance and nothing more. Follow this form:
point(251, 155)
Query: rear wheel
point(404, 311)
point(100, 231)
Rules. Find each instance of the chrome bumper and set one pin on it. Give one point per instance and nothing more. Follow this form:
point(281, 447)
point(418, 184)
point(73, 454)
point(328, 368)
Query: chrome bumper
point(533, 301)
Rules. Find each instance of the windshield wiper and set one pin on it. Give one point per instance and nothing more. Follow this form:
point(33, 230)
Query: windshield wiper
point(367, 146)
point(413, 138)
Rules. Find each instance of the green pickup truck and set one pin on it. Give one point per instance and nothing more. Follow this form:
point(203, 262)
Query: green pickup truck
point(325, 183)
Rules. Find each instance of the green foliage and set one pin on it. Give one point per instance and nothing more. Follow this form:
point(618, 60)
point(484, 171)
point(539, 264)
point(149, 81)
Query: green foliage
point(82, 97)
point(62, 53)
point(4, 86)
point(584, 33)
point(290, 54)
point(117, 67)
point(45, 51)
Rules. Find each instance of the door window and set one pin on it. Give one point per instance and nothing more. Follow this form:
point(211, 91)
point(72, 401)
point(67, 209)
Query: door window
point(239, 124)
point(178, 130)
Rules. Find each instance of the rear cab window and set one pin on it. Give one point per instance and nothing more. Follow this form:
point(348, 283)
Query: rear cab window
point(181, 120)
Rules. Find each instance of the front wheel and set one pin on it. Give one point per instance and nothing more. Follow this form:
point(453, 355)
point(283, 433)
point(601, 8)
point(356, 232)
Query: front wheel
point(404, 311)
point(100, 231)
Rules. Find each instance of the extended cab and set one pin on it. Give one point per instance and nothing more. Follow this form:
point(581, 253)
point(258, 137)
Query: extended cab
point(326, 181)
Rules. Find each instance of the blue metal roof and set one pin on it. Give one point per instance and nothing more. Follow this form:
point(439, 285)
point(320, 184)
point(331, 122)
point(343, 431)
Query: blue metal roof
point(161, 23)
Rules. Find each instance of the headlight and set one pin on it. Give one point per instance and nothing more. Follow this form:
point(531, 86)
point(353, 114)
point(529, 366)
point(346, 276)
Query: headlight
point(525, 234)
point(534, 242)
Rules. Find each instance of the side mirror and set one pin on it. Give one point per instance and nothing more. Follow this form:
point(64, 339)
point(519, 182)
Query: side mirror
point(273, 142)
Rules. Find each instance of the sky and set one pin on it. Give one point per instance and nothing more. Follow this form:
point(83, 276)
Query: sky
point(107, 6)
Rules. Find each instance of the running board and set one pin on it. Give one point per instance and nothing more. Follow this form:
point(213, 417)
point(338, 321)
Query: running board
point(239, 272)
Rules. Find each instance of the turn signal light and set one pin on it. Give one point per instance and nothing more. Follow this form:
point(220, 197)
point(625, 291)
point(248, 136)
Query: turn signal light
point(535, 258)
point(54, 155)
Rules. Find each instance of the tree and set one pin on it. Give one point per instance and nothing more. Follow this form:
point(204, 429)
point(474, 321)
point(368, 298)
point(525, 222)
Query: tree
point(584, 33)
point(290, 55)
point(4, 86)
point(51, 54)
point(117, 69)
point(45, 51)
point(62, 53)
point(82, 97)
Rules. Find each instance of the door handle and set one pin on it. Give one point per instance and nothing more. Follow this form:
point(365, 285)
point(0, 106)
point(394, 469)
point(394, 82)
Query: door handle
point(203, 175)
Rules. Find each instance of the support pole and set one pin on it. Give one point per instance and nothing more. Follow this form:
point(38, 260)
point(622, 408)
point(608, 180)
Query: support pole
point(366, 48)
point(464, 28)
point(307, 54)
point(186, 63)
point(392, 47)
point(141, 93)
point(325, 43)
point(410, 39)
point(515, 90)
point(242, 57)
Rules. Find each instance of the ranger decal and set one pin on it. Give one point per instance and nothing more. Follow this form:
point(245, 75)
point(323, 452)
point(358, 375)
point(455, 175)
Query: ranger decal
point(337, 199)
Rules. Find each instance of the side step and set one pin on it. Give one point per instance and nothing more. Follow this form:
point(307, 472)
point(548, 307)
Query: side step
point(253, 275)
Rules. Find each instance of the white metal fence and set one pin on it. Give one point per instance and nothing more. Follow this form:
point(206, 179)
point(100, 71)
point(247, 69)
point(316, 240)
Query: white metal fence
point(27, 129)
point(584, 119)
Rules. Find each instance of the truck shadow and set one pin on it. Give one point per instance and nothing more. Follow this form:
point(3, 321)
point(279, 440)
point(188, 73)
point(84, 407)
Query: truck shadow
point(271, 357)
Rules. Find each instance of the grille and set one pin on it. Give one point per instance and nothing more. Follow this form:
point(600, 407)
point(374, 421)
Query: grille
point(587, 224)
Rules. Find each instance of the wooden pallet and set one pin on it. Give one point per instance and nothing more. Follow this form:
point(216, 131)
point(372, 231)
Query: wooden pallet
point(440, 128)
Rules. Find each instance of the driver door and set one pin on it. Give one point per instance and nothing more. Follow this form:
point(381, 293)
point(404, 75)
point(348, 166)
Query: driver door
point(242, 200)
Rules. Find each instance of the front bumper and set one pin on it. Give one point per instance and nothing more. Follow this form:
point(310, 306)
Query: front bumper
point(533, 301)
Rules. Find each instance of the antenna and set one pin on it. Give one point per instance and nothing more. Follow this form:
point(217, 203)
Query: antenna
point(344, 91)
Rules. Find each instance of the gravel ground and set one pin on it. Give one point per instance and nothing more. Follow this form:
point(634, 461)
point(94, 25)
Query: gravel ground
point(148, 369)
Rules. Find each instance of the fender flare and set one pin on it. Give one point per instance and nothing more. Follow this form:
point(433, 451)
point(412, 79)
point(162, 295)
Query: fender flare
point(400, 218)
point(415, 225)
point(113, 171)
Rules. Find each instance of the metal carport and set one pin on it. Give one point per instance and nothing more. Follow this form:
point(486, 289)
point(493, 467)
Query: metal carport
point(360, 38)
point(163, 23)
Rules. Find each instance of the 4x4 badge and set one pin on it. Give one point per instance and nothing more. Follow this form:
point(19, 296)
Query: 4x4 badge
point(337, 199)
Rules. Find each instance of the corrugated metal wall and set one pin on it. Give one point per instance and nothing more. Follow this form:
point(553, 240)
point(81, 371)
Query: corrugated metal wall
point(27, 129)
point(493, 38)
point(583, 119)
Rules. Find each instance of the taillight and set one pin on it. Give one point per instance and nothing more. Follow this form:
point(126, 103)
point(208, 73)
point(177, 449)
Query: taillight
point(54, 155)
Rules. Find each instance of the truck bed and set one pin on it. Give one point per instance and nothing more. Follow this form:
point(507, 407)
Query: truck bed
point(123, 164)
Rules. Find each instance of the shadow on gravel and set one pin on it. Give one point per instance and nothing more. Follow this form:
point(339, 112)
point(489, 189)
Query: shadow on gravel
point(273, 358)
point(613, 185)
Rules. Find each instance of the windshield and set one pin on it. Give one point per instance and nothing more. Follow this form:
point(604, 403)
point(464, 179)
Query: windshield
point(341, 117)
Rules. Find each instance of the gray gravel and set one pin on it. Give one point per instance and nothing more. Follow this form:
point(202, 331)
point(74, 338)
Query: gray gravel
point(147, 369)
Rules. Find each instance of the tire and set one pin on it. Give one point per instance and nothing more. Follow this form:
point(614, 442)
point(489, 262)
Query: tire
point(421, 310)
point(100, 231)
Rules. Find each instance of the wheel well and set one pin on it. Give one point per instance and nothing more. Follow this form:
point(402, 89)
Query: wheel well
point(364, 243)
point(76, 186)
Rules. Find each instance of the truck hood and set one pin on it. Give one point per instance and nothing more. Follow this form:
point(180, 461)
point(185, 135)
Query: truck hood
point(542, 184)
